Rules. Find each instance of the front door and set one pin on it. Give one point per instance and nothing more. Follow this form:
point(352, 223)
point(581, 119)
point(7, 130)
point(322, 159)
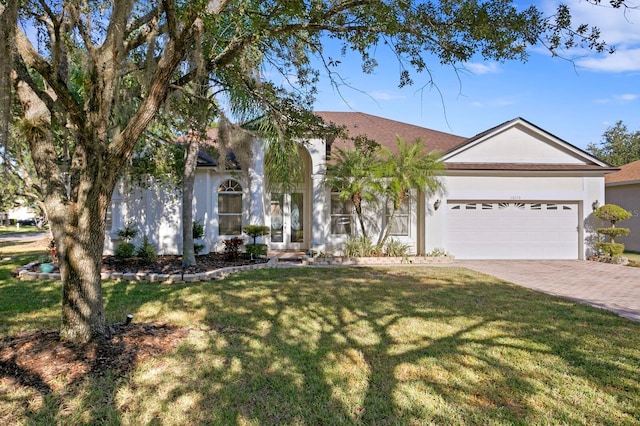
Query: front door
point(288, 221)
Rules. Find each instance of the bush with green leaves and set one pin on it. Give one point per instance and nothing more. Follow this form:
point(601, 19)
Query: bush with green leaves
point(198, 233)
point(255, 231)
point(125, 250)
point(613, 214)
point(146, 251)
point(438, 252)
point(128, 233)
point(360, 247)
point(256, 250)
point(396, 248)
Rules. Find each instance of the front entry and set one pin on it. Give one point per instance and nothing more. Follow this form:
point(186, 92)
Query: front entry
point(289, 217)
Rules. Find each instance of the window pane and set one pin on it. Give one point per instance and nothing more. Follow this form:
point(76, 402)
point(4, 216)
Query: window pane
point(341, 218)
point(297, 216)
point(400, 225)
point(341, 224)
point(229, 203)
point(230, 224)
point(276, 218)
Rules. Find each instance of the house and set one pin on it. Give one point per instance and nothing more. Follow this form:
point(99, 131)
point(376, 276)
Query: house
point(513, 191)
point(623, 189)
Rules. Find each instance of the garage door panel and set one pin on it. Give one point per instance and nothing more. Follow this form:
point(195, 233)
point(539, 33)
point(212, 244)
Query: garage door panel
point(512, 230)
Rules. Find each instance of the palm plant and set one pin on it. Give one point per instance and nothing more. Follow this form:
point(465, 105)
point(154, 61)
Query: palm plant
point(411, 168)
point(353, 175)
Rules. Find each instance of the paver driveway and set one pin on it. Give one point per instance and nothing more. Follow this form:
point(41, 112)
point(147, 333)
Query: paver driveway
point(612, 287)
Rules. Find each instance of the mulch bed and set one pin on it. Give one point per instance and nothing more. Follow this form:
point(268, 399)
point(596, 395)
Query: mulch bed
point(41, 361)
point(169, 264)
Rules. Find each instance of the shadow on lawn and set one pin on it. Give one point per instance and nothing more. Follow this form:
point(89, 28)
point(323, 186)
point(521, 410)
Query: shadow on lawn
point(376, 346)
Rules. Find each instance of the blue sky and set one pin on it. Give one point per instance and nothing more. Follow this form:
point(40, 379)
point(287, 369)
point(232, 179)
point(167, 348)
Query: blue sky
point(576, 101)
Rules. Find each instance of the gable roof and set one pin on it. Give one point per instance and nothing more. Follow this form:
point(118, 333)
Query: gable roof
point(384, 131)
point(518, 144)
point(628, 174)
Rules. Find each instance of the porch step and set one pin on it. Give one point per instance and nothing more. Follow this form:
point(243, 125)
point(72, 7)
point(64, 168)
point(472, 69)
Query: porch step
point(293, 256)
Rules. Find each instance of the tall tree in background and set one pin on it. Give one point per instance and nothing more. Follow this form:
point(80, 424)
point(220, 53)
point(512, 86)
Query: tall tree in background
point(90, 77)
point(618, 146)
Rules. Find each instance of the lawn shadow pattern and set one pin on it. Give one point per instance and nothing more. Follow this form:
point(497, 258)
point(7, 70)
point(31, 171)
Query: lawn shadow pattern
point(368, 346)
point(392, 346)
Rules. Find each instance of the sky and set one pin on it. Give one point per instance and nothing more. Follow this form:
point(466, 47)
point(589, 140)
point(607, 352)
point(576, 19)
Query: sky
point(576, 101)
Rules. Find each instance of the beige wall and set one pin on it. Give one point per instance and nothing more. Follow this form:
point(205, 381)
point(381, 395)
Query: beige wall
point(627, 197)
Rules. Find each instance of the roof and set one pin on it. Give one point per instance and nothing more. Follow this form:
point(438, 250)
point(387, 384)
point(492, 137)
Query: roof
point(534, 167)
point(629, 173)
point(385, 131)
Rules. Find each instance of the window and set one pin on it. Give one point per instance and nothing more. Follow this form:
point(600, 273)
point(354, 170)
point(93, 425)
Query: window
point(230, 208)
point(341, 215)
point(400, 226)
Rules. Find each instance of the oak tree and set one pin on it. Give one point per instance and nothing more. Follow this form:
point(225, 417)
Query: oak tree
point(92, 77)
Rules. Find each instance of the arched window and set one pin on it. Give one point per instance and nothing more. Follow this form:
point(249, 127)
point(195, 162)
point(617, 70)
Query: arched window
point(230, 208)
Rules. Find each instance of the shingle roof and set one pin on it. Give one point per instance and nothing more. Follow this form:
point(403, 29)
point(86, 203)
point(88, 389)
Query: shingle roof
point(628, 173)
point(384, 131)
point(529, 167)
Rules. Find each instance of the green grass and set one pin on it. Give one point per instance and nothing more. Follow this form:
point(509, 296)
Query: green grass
point(633, 256)
point(12, 229)
point(345, 346)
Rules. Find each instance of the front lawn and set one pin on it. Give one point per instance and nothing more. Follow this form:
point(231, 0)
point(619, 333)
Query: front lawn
point(342, 346)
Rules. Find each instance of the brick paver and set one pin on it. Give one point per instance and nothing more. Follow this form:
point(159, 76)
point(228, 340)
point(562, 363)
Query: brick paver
point(606, 286)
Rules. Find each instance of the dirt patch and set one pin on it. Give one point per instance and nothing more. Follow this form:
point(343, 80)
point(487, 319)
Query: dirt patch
point(41, 361)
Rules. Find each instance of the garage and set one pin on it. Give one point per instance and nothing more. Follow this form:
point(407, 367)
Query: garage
point(512, 230)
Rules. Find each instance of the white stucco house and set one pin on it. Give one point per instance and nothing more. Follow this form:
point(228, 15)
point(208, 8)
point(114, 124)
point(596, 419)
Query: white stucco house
point(514, 191)
point(623, 189)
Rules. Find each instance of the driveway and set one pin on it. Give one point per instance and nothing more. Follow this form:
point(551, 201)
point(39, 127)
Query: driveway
point(612, 287)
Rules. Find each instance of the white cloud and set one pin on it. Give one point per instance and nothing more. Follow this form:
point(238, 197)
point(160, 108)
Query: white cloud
point(620, 61)
point(385, 96)
point(619, 99)
point(482, 67)
point(627, 97)
point(619, 28)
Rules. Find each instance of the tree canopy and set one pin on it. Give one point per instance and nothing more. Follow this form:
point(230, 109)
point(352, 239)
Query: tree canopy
point(86, 80)
point(619, 145)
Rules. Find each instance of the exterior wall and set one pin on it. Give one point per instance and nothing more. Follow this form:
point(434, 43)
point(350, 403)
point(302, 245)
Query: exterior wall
point(517, 187)
point(154, 212)
point(516, 145)
point(627, 196)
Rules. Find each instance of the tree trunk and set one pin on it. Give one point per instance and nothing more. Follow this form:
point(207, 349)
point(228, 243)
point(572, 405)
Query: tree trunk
point(188, 178)
point(80, 245)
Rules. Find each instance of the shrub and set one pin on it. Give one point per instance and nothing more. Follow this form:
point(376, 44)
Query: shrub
point(256, 250)
point(613, 214)
point(255, 231)
point(197, 230)
point(396, 248)
point(611, 249)
point(146, 250)
point(359, 247)
point(128, 233)
point(232, 247)
point(125, 250)
point(437, 252)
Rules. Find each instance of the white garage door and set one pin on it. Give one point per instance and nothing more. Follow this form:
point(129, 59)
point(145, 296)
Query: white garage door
point(512, 230)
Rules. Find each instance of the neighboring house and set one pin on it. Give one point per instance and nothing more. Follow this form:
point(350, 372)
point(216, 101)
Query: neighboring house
point(623, 189)
point(513, 191)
